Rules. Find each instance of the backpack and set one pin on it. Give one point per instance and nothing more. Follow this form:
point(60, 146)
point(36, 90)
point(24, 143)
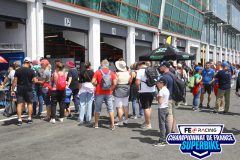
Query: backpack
point(10, 109)
point(106, 82)
point(61, 82)
point(191, 82)
point(178, 89)
point(152, 76)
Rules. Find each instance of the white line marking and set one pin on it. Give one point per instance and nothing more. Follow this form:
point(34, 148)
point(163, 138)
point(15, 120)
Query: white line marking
point(23, 116)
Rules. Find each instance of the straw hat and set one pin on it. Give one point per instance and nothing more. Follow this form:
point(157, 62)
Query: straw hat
point(121, 66)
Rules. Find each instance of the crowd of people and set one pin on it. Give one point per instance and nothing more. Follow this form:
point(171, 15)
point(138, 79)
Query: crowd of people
point(36, 83)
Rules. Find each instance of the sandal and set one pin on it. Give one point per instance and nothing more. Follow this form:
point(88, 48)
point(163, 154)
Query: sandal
point(95, 126)
point(112, 128)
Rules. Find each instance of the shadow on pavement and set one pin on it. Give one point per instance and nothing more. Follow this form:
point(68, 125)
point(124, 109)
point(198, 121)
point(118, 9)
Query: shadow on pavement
point(133, 125)
point(150, 132)
point(10, 122)
point(233, 131)
point(232, 114)
point(147, 140)
point(184, 108)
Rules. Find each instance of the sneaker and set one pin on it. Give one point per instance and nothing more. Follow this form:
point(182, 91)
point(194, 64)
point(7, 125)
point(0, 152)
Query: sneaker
point(80, 123)
point(29, 121)
point(208, 106)
point(159, 144)
point(125, 121)
point(141, 117)
point(53, 121)
point(119, 124)
point(200, 105)
point(19, 122)
point(112, 128)
point(60, 119)
point(146, 127)
point(185, 104)
point(134, 117)
point(215, 112)
point(70, 116)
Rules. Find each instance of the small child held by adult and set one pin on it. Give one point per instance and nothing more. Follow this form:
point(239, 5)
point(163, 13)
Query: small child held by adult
point(163, 97)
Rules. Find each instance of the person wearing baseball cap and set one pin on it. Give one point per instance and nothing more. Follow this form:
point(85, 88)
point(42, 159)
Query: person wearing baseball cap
point(24, 78)
point(167, 75)
point(45, 80)
point(27, 60)
point(224, 77)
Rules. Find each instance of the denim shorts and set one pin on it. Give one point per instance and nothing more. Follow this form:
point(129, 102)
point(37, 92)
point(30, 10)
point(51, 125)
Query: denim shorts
point(99, 99)
point(46, 97)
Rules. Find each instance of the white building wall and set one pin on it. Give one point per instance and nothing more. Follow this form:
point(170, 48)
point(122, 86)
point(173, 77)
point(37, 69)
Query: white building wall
point(31, 30)
point(13, 36)
point(40, 29)
point(131, 46)
point(94, 43)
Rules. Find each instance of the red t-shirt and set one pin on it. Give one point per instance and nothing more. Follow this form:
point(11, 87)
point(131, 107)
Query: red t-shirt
point(98, 77)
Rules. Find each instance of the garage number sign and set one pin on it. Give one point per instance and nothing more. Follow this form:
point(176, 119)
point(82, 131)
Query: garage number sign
point(67, 22)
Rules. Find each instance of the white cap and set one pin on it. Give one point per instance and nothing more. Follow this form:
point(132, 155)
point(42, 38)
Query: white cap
point(27, 59)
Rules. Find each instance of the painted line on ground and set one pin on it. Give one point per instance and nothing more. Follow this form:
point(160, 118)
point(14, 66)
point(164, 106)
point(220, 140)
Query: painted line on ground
point(23, 116)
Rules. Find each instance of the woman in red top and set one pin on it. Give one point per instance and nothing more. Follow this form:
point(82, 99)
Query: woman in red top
point(58, 92)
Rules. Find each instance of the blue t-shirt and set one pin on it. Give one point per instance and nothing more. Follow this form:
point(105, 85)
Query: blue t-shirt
point(208, 75)
point(224, 79)
point(169, 81)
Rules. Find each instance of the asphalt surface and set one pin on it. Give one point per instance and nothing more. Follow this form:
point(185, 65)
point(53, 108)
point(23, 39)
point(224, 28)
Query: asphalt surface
point(62, 141)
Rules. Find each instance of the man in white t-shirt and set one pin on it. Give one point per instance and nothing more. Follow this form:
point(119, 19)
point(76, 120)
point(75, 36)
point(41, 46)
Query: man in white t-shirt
point(146, 95)
point(163, 97)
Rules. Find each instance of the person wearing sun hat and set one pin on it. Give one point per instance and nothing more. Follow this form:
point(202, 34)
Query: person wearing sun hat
point(73, 83)
point(122, 91)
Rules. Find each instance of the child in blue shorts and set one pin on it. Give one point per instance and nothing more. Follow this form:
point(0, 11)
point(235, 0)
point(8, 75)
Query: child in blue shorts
point(67, 101)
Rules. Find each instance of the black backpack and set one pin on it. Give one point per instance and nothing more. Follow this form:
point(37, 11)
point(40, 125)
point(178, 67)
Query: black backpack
point(152, 76)
point(178, 88)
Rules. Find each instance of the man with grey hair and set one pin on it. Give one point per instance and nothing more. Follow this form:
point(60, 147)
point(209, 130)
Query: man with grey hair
point(105, 82)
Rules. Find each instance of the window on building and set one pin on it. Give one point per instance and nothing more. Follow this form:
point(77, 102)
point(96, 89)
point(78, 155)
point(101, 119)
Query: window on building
point(183, 17)
point(110, 7)
point(190, 20)
point(166, 24)
point(156, 6)
point(131, 2)
point(184, 7)
point(154, 21)
point(168, 11)
point(143, 17)
point(93, 4)
point(175, 14)
point(177, 3)
point(127, 12)
point(144, 4)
